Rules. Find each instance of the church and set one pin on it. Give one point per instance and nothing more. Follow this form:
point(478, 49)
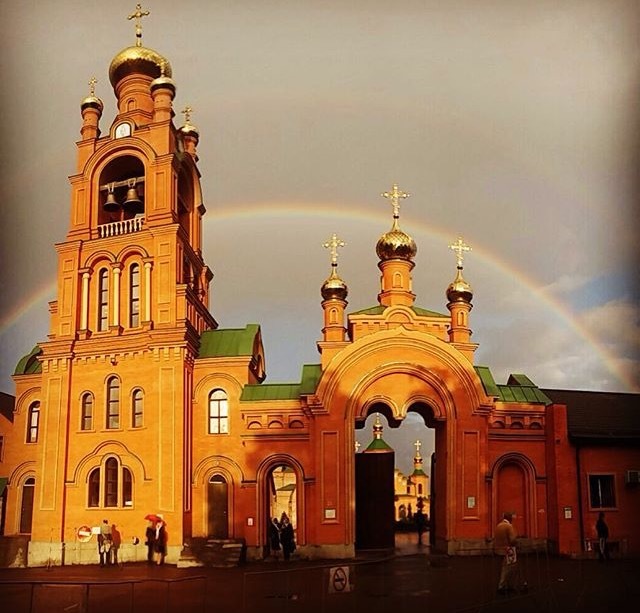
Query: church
point(138, 402)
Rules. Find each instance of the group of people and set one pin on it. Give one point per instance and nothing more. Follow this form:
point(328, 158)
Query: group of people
point(109, 540)
point(281, 537)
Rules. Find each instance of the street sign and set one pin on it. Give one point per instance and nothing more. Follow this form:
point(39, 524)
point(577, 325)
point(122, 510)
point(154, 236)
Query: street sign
point(339, 580)
point(84, 534)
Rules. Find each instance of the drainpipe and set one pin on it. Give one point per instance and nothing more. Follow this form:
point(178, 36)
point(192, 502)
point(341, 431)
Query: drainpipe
point(580, 517)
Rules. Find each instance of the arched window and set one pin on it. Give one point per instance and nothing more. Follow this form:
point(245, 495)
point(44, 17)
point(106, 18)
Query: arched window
point(419, 489)
point(33, 424)
point(86, 418)
point(94, 488)
point(110, 485)
point(218, 412)
point(113, 403)
point(136, 408)
point(26, 507)
point(134, 296)
point(103, 300)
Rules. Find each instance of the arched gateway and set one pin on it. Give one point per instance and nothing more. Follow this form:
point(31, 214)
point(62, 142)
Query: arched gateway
point(136, 375)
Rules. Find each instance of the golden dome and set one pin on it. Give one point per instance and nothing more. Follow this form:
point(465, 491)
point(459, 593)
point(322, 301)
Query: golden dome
point(163, 82)
point(189, 130)
point(140, 60)
point(396, 245)
point(459, 290)
point(92, 101)
point(334, 287)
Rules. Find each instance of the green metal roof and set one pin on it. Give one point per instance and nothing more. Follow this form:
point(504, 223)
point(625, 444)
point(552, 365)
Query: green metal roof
point(418, 472)
point(519, 388)
point(29, 364)
point(229, 342)
point(284, 391)
point(379, 309)
point(378, 444)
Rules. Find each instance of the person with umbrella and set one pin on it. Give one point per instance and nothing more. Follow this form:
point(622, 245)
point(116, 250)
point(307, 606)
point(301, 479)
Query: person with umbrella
point(150, 537)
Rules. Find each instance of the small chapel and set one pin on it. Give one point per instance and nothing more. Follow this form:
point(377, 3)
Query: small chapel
point(139, 401)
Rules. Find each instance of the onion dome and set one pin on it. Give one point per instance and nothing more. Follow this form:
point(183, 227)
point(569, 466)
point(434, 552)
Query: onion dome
point(188, 129)
point(334, 287)
point(92, 101)
point(459, 290)
point(138, 60)
point(378, 444)
point(396, 244)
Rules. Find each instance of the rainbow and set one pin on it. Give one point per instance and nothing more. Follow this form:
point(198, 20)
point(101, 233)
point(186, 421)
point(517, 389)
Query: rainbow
point(264, 210)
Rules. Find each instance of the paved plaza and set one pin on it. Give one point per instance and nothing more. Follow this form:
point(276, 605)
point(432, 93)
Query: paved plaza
point(409, 580)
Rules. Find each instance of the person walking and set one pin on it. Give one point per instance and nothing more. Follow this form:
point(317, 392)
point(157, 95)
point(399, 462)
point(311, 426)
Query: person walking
point(274, 537)
point(160, 542)
point(286, 536)
point(104, 543)
point(504, 544)
point(603, 534)
point(150, 541)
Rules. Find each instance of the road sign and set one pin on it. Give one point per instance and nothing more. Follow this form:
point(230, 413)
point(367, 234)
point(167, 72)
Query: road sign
point(339, 579)
point(84, 534)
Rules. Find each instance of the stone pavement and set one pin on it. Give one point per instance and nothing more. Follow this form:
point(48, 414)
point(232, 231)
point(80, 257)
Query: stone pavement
point(407, 580)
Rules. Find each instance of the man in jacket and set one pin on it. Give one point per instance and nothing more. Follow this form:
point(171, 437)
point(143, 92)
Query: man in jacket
point(504, 544)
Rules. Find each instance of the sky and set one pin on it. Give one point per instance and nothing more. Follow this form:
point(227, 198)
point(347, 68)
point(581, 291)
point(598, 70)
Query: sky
point(514, 124)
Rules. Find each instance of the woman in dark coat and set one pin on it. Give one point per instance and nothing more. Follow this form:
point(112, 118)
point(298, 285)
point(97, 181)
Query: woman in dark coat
point(274, 537)
point(286, 536)
point(160, 543)
point(150, 539)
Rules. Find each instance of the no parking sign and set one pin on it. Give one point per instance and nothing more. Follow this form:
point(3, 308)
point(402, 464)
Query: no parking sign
point(339, 579)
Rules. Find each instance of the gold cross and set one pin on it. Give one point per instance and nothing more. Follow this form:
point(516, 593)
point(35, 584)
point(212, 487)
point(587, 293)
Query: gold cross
point(459, 247)
point(138, 15)
point(92, 86)
point(417, 445)
point(186, 111)
point(394, 195)
point(357, 446)
point(333, 243)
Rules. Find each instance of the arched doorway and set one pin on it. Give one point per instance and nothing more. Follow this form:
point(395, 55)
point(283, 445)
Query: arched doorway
point(218, 507)
point(26, 507)
point(406, 479)
point(512, 496)
point(280, 495)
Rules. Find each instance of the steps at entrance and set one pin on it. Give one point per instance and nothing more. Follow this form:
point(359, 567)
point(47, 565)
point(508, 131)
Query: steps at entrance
point(214, 553)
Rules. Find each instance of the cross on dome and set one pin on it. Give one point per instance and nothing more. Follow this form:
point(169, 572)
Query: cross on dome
point(333, 244)
point(138, 15)
point(459, 247)
point(92, 86)
point(393, 196)
point(186, 111)
point(417, 445)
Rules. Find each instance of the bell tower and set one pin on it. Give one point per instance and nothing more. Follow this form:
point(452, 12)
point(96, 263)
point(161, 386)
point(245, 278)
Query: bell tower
point(132, 303)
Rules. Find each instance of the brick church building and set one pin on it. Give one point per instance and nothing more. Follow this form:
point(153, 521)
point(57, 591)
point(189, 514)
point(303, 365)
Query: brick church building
point(139, 402)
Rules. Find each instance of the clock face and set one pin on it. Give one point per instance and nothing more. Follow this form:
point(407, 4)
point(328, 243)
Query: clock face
point(124, 129)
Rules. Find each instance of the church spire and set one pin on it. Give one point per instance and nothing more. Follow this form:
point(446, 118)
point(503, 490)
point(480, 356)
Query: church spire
point(334, 293)
point(459, 295)
point(396, 250)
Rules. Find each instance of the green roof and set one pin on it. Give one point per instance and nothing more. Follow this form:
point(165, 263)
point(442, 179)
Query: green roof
point(418, 472)
point(519, 388)
point(378, 444)
point(285, 391)
point(29, 364)
point(379, 309)
point(229, 342)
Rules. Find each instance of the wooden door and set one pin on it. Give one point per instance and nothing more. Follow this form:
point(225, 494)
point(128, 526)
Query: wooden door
point(218, 512)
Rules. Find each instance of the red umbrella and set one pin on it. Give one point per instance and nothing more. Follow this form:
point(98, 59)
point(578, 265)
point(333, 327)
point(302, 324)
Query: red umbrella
point(153, 517)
